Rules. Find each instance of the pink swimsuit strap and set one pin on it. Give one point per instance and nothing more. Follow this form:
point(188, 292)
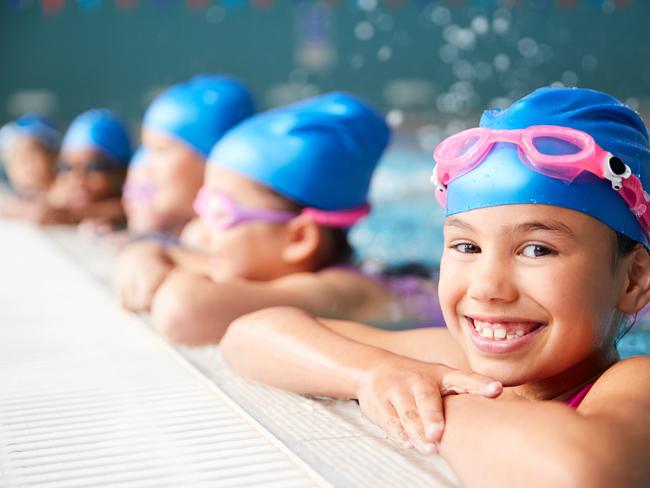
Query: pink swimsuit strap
point(576, 399)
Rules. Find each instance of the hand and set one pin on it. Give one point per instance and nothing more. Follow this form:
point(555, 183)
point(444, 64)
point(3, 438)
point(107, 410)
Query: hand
point(141, 269)
point(405, 399)
point(44, 214)
point(96, 227)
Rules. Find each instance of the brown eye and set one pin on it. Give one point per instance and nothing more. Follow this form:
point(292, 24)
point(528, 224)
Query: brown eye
point(536, 251)
point(466, 248)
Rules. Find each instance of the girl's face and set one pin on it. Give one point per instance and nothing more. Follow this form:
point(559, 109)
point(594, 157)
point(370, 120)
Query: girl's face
point(529, 291)
point(30, 167)
point(175, 173)
point(248, 250)
point(86, 176)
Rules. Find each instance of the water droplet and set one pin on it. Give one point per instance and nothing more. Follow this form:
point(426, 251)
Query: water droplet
point(367, 5)
point(384, 53)
point(440, 15)
point(480, 25)
point(364, 31)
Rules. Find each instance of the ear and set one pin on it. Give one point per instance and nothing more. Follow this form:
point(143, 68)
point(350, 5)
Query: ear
point(303, 240)
point(636, 287)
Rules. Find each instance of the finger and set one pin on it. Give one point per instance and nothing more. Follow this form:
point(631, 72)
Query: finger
point(429, 404)
point(391, 424)
point(409, 415)
point(454, 381)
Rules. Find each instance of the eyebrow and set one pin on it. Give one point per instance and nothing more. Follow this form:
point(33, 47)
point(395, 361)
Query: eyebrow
point(543, 225)
point(455, 222)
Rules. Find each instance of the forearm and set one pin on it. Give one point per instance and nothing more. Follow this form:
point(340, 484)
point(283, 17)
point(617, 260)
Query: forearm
point(193, 309)
point(289, 349)
point(166, 247)
point(521, 443)
point(15, 208)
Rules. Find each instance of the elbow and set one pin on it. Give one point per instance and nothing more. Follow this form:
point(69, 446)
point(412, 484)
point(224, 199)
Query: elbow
point(247, 331)
point(177, 312)
point(580, 471)
point(579, 465)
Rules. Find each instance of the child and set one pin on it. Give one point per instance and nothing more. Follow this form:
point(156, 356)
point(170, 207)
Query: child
point(179, 129)
point(28, 149)
point(281, 189)
point(545, 264)
point(92, 166)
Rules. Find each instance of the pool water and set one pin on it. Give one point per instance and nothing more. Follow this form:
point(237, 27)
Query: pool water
point(405, 226)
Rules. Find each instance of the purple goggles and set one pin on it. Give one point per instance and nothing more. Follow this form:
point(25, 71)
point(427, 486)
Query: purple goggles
point(222, 212)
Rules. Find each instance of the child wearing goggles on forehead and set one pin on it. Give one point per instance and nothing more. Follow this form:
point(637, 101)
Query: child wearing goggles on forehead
point(545, 266)
point(280, 191)
point(28, 151)
point(92, 164)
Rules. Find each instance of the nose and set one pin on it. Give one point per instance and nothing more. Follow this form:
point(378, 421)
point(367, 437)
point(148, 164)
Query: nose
point(492, 280)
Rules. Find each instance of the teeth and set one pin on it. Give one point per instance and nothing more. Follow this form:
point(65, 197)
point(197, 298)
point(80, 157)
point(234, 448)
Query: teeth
point(487, 332)
point(494, 331)
point(499, 333)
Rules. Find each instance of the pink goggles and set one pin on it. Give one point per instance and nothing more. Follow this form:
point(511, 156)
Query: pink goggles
point(537, 147)
point(222, 212)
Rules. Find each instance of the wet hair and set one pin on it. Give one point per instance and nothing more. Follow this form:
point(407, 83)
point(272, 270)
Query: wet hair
point(341, 249)
point(624, 245)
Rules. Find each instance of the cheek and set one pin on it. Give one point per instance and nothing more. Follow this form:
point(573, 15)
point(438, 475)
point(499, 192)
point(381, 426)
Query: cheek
point(452, 285)
point(99, 185)
point(232, 252)
point(249, 251)
point(581, 289)
point(176, 181)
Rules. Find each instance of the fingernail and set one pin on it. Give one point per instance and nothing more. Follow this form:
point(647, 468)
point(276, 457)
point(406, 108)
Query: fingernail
point(433, 430)
point(407, 445)
point(492, 389)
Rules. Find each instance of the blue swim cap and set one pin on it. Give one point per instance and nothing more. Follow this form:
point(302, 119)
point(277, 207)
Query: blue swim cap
point(200, 111)
point(502, 179)
point(99, 129)
point(32, 125)
point(320, 152)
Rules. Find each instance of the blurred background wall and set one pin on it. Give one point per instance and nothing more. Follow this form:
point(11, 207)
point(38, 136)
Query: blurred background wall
point(432, 66)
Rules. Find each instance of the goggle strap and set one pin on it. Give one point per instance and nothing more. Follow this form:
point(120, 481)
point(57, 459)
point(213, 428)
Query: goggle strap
point(338, 218)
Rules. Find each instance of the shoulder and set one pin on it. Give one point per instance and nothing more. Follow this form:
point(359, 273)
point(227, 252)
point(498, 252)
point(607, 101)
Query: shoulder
point(637, 368)
point(626, 382)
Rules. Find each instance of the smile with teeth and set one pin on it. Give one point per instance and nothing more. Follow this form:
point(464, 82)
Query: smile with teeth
point(501, 331)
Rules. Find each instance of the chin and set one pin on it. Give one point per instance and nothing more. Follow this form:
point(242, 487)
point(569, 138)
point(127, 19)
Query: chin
point(509, 373)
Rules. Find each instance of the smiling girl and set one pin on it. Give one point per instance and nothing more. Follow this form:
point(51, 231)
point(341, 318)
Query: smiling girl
point(545, 265)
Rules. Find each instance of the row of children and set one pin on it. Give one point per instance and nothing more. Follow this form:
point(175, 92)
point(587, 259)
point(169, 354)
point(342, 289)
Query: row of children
point(545, 265)
point(296, 176)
